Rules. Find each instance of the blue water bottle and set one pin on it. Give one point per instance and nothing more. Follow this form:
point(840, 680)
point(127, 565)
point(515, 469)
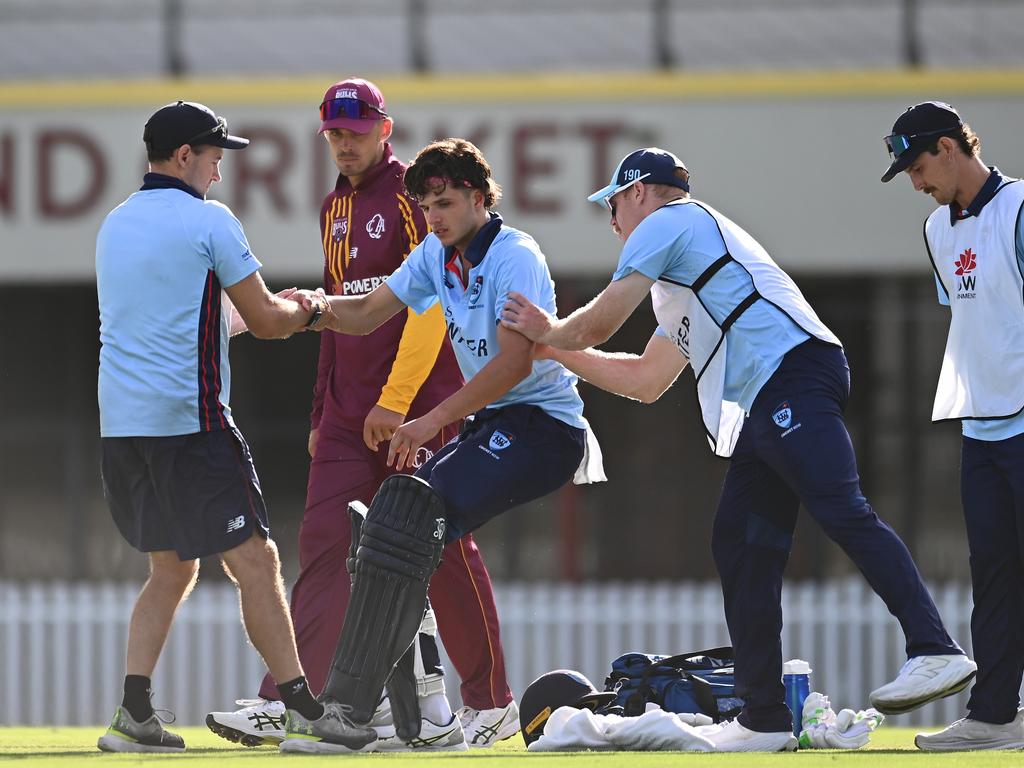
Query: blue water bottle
point(796, 674)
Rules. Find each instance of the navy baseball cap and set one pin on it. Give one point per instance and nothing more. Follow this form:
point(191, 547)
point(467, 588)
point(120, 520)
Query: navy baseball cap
point(650, 165)
point(559, 688)
point(915, 130)
point(186, 122)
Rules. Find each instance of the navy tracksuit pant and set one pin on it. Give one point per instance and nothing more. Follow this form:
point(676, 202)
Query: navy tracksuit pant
point(992, 493)
point(794, 448)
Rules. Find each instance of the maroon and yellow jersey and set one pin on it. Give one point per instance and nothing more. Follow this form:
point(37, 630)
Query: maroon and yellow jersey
point(407, 364)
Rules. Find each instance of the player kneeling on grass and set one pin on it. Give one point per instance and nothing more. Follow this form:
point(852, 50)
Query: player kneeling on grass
point(524, 437)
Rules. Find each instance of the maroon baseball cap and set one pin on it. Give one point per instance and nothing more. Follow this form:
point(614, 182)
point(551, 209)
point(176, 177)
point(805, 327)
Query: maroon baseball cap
point(354, 103)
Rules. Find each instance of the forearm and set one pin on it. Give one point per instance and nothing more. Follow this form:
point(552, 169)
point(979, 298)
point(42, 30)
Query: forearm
point(347, 315)
point(280, 320)
point(618, 372)
point(587, 327)
point(492, 382)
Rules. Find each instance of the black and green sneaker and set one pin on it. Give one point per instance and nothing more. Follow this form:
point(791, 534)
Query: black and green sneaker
point(126, 735)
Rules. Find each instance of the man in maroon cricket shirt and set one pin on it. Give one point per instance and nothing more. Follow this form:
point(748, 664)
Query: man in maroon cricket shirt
point(366, 387)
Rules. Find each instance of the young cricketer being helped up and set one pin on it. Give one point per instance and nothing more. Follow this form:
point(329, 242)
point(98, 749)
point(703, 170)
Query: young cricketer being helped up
point(525, 435)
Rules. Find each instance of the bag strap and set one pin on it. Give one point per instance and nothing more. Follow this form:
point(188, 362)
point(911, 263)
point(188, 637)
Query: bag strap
point(705, 697)
point(723, 653)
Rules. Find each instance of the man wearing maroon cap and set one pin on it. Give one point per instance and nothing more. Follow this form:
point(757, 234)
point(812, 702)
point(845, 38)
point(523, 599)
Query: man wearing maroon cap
point(366, 387)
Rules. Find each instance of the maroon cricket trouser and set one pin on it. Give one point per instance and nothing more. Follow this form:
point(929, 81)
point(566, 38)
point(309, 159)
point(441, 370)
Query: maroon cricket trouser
point(345, 470)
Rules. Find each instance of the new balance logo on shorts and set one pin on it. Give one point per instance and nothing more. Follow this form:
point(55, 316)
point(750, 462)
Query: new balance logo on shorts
point(236, 523)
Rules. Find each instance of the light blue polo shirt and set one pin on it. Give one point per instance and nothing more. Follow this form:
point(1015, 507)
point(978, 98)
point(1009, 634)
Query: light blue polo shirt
point(988, 429)
point(504, 259)
point(679, 242)
point(163, 257)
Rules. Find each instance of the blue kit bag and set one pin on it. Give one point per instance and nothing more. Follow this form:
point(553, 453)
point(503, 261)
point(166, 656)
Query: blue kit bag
point(697, 682)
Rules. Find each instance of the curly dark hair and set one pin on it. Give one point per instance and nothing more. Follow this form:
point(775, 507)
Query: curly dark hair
point(966, 138)
point(454, 162)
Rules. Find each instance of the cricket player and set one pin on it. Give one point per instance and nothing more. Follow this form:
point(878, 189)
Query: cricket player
point(525, 435)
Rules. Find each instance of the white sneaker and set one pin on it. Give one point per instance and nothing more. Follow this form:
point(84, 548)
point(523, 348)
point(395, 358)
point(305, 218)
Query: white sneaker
point(486, 727)
point(382, 715)
point(923, 679)
point(734, 737)
point(258, 722)
point(967, 734)
point(432, 738)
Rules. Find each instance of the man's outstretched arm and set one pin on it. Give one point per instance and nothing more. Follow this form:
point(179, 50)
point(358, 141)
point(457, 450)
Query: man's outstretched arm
point(586, 327)
point(645, 377)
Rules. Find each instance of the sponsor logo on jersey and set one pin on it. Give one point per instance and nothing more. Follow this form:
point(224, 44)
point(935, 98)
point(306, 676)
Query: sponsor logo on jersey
point(353, 252)
point(683, 337)
point(965, 265)
point(375, 226)
point(364, 285)
point(338, 229)
point(439, 528)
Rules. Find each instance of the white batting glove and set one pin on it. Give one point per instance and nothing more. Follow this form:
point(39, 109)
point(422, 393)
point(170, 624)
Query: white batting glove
point(824, 729)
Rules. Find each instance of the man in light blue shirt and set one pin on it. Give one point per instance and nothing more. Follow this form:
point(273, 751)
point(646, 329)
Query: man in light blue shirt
point(524, 436)
point(772, 381)
point(177, 474)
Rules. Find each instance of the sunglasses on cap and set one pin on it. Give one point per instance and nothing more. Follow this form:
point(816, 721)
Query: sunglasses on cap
point(220, 131)
point(898, 143)
point(353, 109)
point(608, 198)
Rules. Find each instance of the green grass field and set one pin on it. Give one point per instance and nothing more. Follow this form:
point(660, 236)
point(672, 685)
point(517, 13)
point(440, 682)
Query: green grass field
point(889, 748)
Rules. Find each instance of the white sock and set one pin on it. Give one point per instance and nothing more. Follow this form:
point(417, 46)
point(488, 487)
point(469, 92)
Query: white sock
point(436, 709)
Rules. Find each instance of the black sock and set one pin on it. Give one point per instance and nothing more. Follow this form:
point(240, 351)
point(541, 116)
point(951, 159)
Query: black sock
point(136, 697)
point(295, 695)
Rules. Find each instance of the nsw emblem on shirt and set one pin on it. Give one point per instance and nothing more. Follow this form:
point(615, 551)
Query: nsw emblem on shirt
point(967, 282)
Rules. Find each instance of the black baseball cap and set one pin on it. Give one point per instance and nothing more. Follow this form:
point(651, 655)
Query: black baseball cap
point(650, 165)
point(559, 688)
point(915, 130)
point(187, 122)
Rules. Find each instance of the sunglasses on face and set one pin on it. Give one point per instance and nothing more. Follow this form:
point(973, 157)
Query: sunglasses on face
point(354, 109)
point(898, 143)
point(608, 200)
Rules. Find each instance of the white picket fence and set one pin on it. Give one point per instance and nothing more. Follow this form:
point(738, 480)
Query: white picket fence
point(62, 646)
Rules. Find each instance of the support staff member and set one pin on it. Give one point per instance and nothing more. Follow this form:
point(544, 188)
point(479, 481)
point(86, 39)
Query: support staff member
point(975, 240)
point(773, 382)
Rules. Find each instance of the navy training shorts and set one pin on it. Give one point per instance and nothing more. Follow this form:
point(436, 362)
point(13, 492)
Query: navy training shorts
point(503, 457)
point(197, 494)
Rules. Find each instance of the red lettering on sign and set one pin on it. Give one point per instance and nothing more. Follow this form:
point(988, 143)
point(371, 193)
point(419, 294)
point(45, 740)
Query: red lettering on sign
point(270, 175)
point(7, 174)
point(54, 206)
point(526, 167)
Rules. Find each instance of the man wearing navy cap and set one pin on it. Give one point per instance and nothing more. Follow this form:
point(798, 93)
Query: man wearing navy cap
point(177, 473)
point(772, 381)
point(975, 241)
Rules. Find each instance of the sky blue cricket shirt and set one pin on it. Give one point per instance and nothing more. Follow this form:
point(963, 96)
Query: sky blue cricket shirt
point(680, 242)
point(514, 262)
point(163, 257)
